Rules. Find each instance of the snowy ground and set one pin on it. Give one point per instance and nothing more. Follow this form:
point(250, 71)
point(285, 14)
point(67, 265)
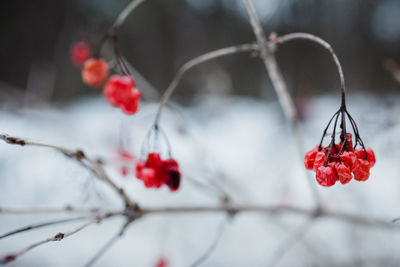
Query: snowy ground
point(243, 144)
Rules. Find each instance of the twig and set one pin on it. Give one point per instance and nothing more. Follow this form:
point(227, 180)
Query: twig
point(288, 243)
point(95, 167)
point(212, 246)
point(58, 237)
point(196, 61)
point(41, 225)
point(107, 245)
point(125, 13)
point(207, 184)
point(66, 209)
point(280, 86)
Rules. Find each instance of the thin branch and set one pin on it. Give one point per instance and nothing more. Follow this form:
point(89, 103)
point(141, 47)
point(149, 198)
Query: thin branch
point(41, 225)
point(274, 209)
point(212, 246)
point(29, 210)
point(288, 243)
point(107, 245)
point(196, 61)
point(125, 13)
point(207, 184)
point(279, 85)
point(95, 167)
point(306, 36)
point(58, 237)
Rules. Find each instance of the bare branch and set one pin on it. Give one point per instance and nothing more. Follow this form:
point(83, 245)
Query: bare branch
point(212, 246)
point(66, 209)
point(58, 237)
point(95, 167)
point(41, 225)
point(108, 245)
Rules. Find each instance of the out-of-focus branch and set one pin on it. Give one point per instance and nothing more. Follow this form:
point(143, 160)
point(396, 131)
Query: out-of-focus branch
point(125, 13)
point(65, 209)
point(58, 237)
point(95, 167)
point(279, 85)
point(392, 67)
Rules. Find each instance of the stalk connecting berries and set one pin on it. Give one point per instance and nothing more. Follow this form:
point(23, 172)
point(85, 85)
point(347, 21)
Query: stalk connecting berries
point(341, 161)
point(155, 172)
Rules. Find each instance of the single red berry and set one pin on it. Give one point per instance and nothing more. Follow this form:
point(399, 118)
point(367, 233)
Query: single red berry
point(79, 53)
point(319, 160)
point(309, 158)
point(348, 159)
point(162, 262)
point(94, 71)
point(117, 88)
point(130, 103)
point(172, 175)
point(326, 176)
point(361, 170)
point(344, 173)
point(149, 177)
point(371, 155)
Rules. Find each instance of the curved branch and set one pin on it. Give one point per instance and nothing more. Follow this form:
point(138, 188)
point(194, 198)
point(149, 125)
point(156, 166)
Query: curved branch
point(306, 36)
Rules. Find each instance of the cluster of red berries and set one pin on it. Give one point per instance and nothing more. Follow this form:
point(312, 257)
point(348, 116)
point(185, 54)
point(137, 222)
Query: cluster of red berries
point(331, 166)
point(119, 90)
point(155, 172)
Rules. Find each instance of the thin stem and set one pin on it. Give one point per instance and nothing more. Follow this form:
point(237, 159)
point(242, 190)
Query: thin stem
point(95, 167)
point(197, 61)
point(306, 36)
point(66, 209)
point(41, 225)
point(125, 13)
point(326, 128)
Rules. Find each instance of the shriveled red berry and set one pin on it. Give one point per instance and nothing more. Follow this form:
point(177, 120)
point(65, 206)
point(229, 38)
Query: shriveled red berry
point(319, 160)
point(349, 159)
point(344, 173)
point(361, 170)
point(309, 158)
point(172, 175)
point(371, 155)
point(94, 72)
point(326, 176)
point(79, 53)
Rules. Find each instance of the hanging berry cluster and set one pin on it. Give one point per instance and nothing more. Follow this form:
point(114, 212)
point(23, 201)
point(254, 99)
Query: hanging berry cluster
point(341, 161)
point(155, 172)
point(120, 89)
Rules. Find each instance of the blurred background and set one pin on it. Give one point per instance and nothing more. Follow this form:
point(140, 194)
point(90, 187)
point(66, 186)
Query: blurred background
point(226, 127)
point(162, 35)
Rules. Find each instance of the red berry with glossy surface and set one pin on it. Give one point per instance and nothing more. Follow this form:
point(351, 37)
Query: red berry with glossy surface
point(319, 160)
point(370, 153)
point(361, 170)
point(79, 53)
point(348, 159)
point(343, 173)
point(117, 88)
point(326, 176)
point(130, 104)
point(94, 72)
point(309, 158)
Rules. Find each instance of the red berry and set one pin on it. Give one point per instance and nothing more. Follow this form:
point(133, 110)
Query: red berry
point(79, 53)
point(319, 160)
point(326, 176)
point(344, 173)
point(371, 155)
point(162, 262)
point(130, 103)
point(172, 175)
point(94, 72)
point(309, 158)
point(361, 170)
point(348, 159)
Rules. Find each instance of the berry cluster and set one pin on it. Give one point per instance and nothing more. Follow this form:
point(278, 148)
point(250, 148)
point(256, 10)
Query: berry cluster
point(155, 172)
point(331, 165)
point(119, 90)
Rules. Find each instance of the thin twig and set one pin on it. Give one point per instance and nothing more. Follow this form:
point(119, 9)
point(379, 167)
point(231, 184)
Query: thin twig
point(280, 87)
point(212, 246)
point(58, 237)
point(95, 167)
point(65, 209)
point(125, 13)
point(41, 225)
point(288, 243)
point(107, 245)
